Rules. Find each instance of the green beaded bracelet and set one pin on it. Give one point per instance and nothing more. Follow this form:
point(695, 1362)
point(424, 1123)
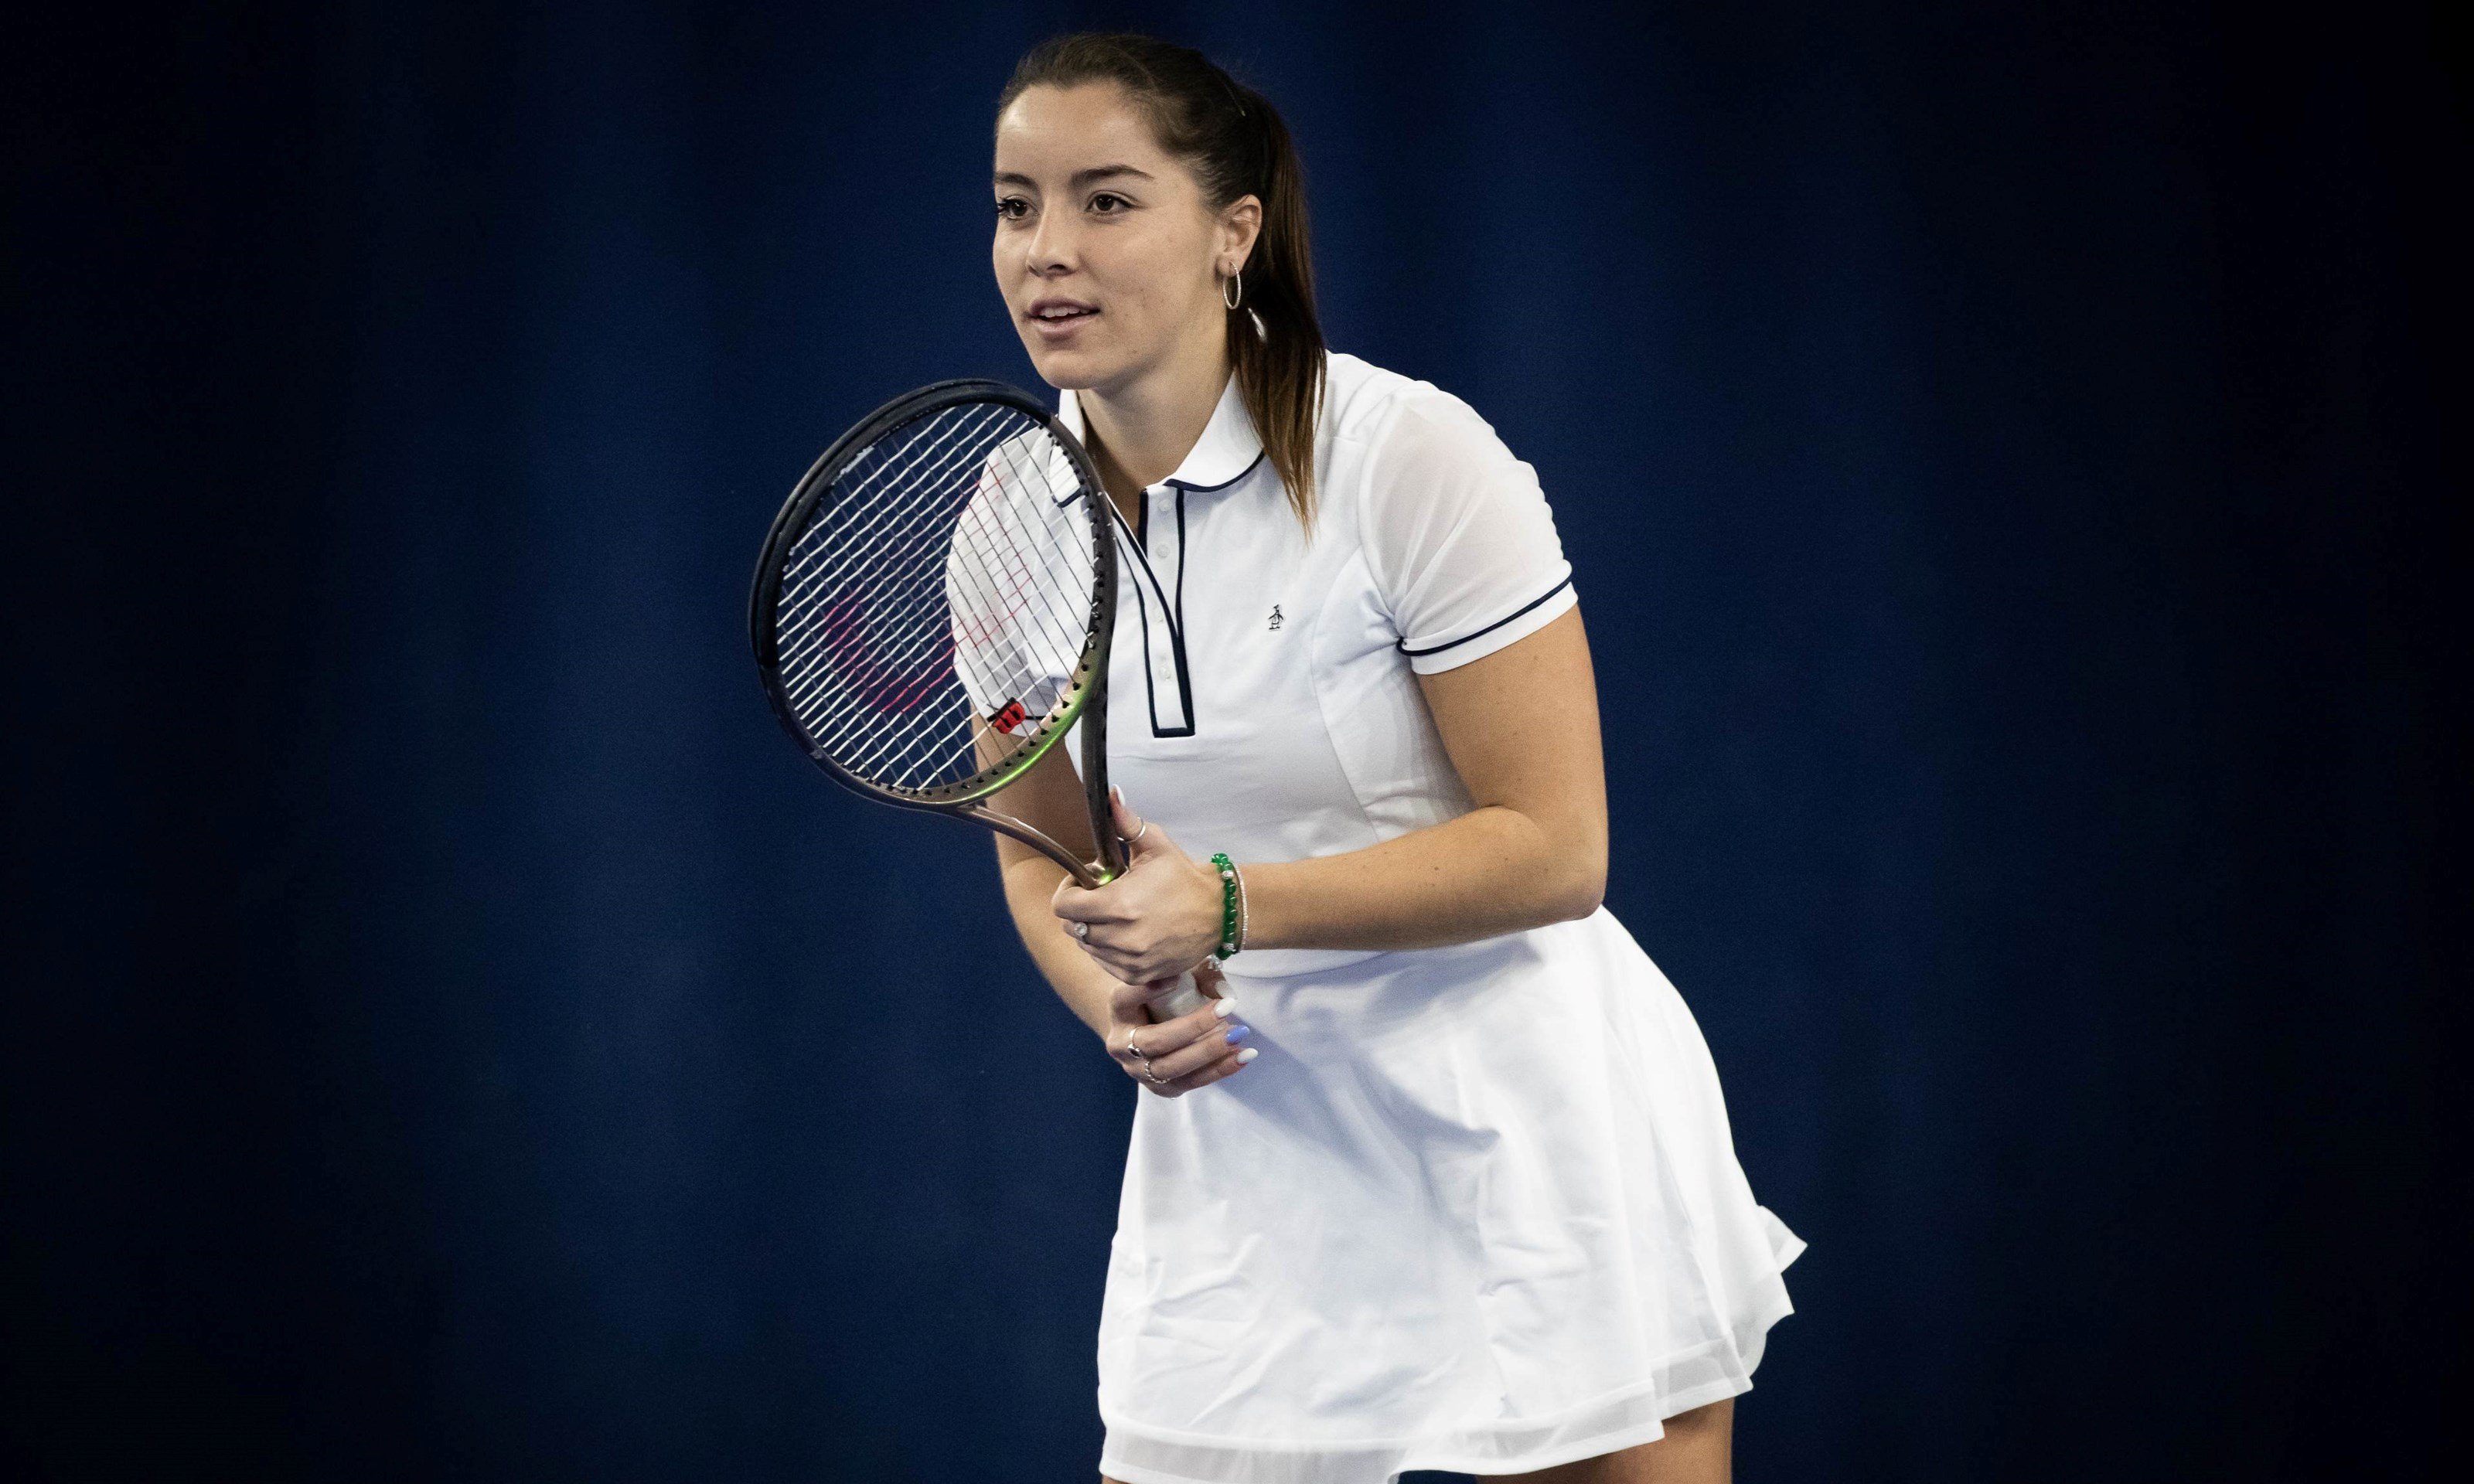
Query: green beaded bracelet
point(1227, 905)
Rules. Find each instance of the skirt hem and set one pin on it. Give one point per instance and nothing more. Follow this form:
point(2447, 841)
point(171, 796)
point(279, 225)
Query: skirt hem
point(1365, 1461)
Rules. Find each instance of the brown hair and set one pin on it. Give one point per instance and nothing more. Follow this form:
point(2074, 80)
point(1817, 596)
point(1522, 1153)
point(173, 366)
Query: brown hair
point(1237, 145)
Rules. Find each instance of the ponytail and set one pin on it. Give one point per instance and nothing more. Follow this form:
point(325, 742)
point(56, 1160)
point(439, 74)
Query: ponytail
point(1238, 146)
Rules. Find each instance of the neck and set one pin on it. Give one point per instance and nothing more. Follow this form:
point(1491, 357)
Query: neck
point(1141, 429)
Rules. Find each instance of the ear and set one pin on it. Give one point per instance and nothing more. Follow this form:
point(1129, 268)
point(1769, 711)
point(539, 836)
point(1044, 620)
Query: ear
point(1241, 223)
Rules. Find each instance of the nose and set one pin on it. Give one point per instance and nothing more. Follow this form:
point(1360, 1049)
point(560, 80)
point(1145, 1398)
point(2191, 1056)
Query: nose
point(1050, 248)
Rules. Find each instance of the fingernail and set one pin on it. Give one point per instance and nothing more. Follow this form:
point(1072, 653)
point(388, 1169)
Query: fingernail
point(1224, 1008)
point(1237, 1032)
point(1249, 1054)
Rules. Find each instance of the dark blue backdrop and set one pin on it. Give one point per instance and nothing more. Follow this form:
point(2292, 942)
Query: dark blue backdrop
point(449, 1032)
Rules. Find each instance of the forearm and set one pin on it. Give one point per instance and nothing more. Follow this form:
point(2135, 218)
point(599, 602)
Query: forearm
point(1030, 884)
point(1492, 871)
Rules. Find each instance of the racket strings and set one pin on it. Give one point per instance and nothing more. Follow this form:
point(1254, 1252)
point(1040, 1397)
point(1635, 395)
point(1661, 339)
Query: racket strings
point(866, 650)
point(886, 512)
point(872, 532)
point(924, 617)
point(944, 575)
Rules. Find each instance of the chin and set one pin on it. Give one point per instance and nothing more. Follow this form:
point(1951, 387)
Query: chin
point(1070, 370)
point(1061, 379)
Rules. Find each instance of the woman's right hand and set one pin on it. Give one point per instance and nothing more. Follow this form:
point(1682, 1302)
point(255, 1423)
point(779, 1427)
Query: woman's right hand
point(1175, 1057)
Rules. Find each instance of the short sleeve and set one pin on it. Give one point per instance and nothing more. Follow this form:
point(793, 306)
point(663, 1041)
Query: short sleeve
point(1457, 531)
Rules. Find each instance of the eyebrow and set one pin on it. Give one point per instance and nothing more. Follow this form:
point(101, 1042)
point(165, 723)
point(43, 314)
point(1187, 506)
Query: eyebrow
point(1079, 178)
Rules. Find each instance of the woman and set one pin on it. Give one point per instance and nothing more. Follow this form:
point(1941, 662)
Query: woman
point(1444, 1178)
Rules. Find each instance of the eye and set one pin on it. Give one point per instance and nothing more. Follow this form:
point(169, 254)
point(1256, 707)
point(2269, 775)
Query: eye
point(1012, 208)
point(1110, 203)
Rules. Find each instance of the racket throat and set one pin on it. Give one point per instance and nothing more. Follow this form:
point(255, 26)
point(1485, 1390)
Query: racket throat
point(1085, 874)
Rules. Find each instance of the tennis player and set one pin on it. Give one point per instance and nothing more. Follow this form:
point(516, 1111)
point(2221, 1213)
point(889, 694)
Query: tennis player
point(1444, 1178)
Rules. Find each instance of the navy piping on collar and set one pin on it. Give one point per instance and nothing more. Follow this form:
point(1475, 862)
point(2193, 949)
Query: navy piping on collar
point(1075, 492)
point(1210, 488)
point(1402, 645)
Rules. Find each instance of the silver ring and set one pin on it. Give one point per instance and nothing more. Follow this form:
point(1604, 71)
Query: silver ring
point(1139, 833)
point(1082, 932)
point(1136, 1052)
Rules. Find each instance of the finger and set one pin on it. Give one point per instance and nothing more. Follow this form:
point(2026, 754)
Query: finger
point(1139, 840)
point(1076, 904)
point(1125, 1048)
point(1223, 1043)
point(1217, 1071)
point(1165, 1038)
point(1196, 1021)
point(1129, 1005)
point(1140, 1059)
point(1156, 981)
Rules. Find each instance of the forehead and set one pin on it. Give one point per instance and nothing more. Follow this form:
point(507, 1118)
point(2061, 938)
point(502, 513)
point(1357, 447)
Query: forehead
point(1054, 132)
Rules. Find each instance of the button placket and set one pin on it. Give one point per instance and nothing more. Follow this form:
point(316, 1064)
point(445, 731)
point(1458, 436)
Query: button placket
point(1161, 562)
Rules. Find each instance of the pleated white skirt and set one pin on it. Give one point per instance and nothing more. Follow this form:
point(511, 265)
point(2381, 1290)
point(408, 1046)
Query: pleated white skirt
point(1474, 1209)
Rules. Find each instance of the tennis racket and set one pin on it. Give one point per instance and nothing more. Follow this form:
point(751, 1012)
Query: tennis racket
point(933, 611)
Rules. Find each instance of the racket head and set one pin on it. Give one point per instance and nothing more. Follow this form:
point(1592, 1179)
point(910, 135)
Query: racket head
point(946, 567)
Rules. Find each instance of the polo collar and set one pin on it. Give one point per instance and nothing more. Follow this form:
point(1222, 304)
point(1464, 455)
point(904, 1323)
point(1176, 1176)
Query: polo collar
point(1228, 450)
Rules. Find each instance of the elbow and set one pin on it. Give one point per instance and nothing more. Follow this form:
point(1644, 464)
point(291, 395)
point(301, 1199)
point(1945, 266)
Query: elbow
point(1564, 869)
point(1568, 866)
point(1581, 890)
point(1582, 900)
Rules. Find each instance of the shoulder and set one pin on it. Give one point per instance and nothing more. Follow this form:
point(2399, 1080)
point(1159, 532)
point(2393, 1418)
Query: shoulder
point(1394, 449)
point(1455, 530)
point(1369, 412)
point(1396, 452)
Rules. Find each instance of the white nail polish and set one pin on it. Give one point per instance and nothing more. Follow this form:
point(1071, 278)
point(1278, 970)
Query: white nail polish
point(1249, 1054)
point(1224, 1008)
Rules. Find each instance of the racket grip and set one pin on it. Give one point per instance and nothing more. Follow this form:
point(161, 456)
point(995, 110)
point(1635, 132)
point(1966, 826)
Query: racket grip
point(1186, 998)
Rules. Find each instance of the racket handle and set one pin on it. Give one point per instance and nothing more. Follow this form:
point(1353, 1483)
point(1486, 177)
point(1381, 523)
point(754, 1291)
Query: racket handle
point(1184, 999)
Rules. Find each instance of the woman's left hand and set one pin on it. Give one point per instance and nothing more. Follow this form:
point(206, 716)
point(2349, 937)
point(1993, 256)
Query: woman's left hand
point(1155, 922)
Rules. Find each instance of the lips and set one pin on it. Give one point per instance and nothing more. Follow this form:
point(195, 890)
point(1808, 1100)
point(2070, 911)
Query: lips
point(1058, 318)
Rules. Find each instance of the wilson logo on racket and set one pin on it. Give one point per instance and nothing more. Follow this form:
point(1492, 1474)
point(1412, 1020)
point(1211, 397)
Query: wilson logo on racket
point(894, 683)
point(1010, 716)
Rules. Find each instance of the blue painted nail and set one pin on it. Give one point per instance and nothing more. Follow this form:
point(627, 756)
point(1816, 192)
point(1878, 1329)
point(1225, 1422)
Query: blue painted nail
point(1237, 1032)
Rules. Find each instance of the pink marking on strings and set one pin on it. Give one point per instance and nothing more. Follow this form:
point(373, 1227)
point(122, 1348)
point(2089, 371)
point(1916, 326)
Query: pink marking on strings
point(879, 684)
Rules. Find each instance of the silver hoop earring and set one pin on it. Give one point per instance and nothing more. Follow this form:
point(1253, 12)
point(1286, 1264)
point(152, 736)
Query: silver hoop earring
point(1233, 293)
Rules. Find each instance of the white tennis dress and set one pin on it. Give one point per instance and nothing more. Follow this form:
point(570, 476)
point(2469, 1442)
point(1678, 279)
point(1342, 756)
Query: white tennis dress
point(1472, 1209)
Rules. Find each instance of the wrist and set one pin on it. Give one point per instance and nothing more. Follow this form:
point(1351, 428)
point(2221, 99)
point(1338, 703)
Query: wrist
point(1231, 927)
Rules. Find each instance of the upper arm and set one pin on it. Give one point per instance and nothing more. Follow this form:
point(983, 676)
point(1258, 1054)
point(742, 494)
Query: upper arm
point(1469, 564)
point(1521, 729)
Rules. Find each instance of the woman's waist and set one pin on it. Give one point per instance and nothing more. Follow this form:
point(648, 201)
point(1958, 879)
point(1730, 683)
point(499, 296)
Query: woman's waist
point(1360, 971)
point(1561, 980)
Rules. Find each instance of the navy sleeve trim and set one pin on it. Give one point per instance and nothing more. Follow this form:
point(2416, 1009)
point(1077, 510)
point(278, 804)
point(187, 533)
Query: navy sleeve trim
point(1402, 645)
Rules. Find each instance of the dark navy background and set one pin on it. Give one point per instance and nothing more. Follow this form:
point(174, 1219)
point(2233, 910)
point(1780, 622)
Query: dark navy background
point(449, 1033)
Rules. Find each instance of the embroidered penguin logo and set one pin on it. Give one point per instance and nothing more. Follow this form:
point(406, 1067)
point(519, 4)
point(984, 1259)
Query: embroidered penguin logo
point(1277, 620)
